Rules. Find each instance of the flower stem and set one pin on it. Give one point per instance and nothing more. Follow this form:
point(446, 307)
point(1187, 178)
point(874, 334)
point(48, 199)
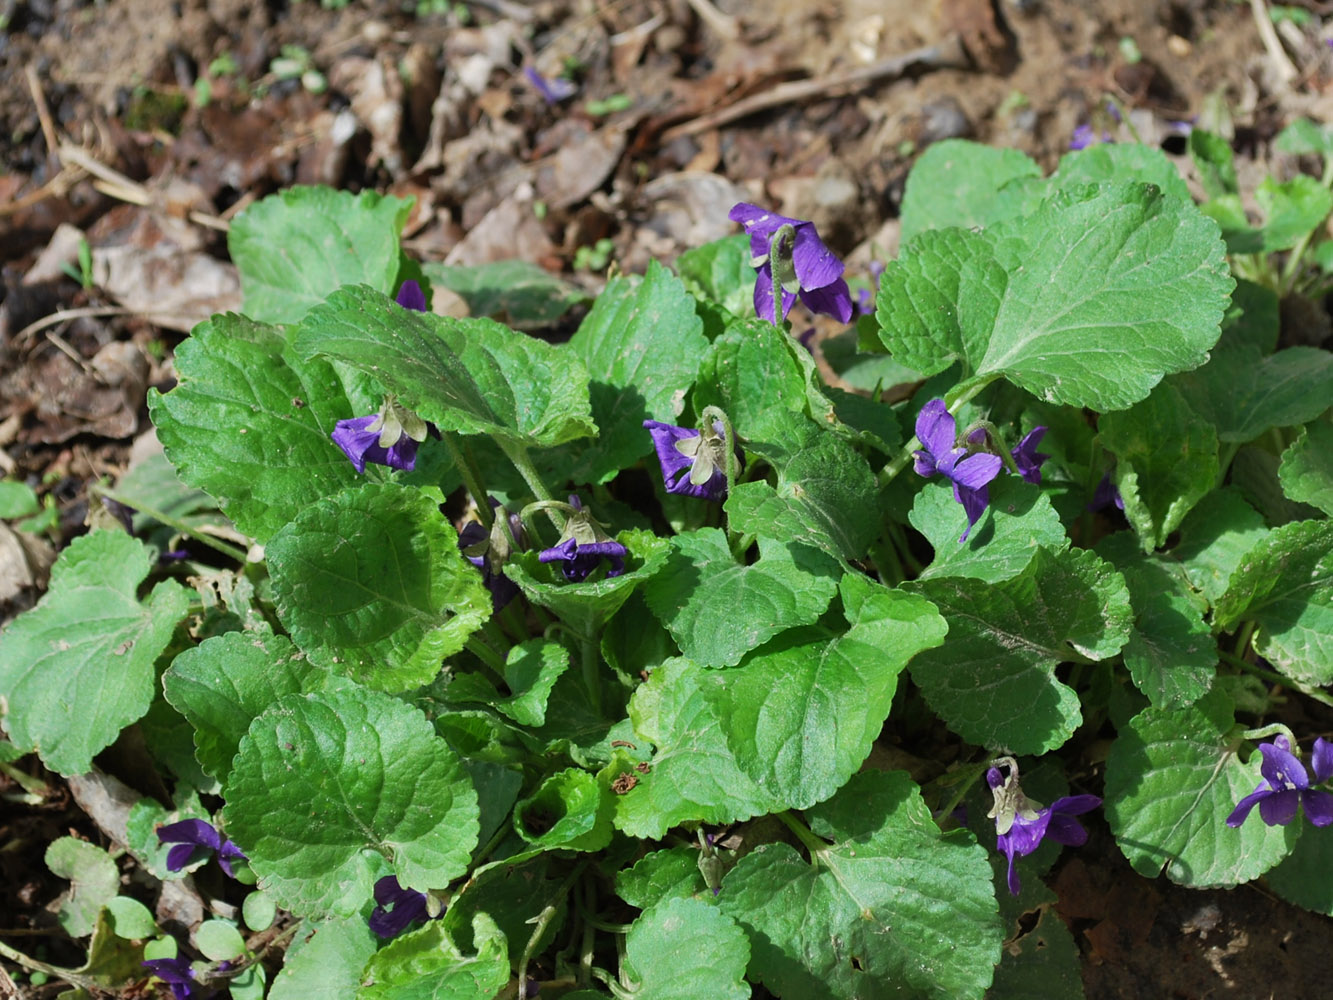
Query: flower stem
point(227, 549)
point(732, 466)
point(486, 655)
point(518, 455)
point(540, 923)
point(1273, 677)
point(590, 654)
point(467, 468)
point(67, 975)
point(812, 843)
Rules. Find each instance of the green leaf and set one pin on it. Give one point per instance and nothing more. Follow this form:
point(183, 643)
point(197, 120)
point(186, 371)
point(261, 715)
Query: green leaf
point(1304, 136)
point(325, 782)
point(895, 908)
point(1302, 877)
point(585, 607)
point(643, 340)
point(1292, 209)
point(825, 499)
point(718, 610)
point(371, 584)
point(1214, 161)
point(753, 372)
point(1244, 394)
point(1215, 537)
point(531, 670)
point(427, 965)
point(1171, 653)
point(1306, 472)
point(130, 919)
point(1041, 960)
point(326, 962)
point(1284, 585)
point(258, 910)
point(294, 248)
point(721, 272)
point(801, 717)
point(661, 875)
point(78, 668)
point(224, 682)
point(1253, 318)
point(518, 293)
point(249, 423)
point(866, 421)
point(220, 941)
point(958, 183)
point(683, 949)
point(17, 500)
point(1006, 639)
point(1110, 288)
point(1089, 301)
point(94, 882)
point(937, 303)
point(571, 811)
point(512, 892)
point(1020, 520)
point(693, 775)
point(473, 376)
point(1166, 462)
point(1117, 162)
point(1172, 779)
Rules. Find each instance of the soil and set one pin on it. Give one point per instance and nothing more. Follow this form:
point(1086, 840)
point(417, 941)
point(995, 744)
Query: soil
point(147, 124)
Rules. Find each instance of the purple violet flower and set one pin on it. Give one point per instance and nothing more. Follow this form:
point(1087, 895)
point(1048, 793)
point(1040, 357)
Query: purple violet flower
point(1287, 785)
point(411, 297)
point(1028, 458)
point(553, 91)
point(1083, 137)
point(196, 839)
point(362, 440)
point(176, 973)
point(968, 471)
point(396, 908)
point(488, 551)
point(1021, 825)
point(693, 463)
point(1106, 495)
point(577, 561)
point(583, 546)
point(790, 252)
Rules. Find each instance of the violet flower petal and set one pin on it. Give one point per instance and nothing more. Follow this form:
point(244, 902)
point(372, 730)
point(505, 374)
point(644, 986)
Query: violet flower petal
point(833, 299)
point(410, 296)
point(1027, 458)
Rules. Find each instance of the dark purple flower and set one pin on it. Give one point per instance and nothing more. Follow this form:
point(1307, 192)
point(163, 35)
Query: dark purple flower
point(693, 463)
point(397, 908)
point(410, 296)
point(1021, 826)
point(1083, 137)
point(196, 839)
point(361, 439)
point(1287, 785)
point(583, 546)
point(968, 471)
point(488, 551)
point(176, 973)
point(1106, 495)
point(1028, 458)
point(865, 297)
point(577, 561)
point(798, 258)
point(553, 91)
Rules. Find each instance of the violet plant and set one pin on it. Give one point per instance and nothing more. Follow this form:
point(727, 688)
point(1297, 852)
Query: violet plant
point(578, 691)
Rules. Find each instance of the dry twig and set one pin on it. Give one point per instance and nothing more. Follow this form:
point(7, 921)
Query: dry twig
point(950, 54)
